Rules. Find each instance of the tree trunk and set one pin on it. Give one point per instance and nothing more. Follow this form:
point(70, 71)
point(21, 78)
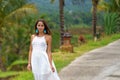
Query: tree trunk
point(61, 6)
point(94, 18)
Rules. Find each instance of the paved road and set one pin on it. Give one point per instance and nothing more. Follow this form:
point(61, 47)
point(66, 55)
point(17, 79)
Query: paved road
point(99, 64)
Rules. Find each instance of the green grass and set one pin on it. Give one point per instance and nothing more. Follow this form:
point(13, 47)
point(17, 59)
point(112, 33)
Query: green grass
point(62, 59)
point(25, 75)
point(7, 74)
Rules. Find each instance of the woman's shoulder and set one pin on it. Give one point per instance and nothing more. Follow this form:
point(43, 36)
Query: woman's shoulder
point(48, 36)
point(33, 35)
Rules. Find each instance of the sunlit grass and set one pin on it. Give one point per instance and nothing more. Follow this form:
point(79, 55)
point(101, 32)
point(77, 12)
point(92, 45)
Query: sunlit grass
point(7, 74)
point(25, 75)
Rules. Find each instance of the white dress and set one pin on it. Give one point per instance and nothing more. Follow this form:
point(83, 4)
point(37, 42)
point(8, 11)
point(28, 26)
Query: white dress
point(40, 62)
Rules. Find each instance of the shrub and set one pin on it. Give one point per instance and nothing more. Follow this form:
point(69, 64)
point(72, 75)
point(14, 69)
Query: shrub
point(81, 39)
point(18, 65)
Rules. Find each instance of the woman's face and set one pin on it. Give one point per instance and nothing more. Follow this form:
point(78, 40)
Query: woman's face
point(40, 26)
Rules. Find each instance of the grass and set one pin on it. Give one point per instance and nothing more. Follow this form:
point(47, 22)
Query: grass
point(7, 74)
point(62, 59)
point(25, 75)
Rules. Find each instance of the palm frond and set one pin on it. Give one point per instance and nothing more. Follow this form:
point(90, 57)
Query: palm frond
point(118, 2)
point(102, 6)
point(111, 23)
point(23, 11)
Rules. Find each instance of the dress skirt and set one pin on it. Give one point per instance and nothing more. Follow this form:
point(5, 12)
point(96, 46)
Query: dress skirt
point(41, 67)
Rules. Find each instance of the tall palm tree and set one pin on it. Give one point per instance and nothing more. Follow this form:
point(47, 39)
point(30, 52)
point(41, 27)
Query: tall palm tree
point(94, 17)
point(61, 10)
point(61, 13)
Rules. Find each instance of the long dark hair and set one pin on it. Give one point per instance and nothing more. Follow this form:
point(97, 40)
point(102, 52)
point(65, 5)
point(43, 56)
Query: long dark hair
point(45, 25)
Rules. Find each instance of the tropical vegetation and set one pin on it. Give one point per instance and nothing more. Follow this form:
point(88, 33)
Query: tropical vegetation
point(17, 18)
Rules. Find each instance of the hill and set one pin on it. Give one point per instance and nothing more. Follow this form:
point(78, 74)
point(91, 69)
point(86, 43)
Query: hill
point(44, 6)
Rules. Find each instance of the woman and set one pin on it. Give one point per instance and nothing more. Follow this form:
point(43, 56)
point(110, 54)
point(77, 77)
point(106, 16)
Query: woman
point(40, 56)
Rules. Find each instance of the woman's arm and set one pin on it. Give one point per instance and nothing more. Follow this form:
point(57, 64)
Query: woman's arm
point(49, 41)
point(30, 53)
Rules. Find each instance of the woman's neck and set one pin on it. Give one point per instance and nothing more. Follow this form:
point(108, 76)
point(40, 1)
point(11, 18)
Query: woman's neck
point(41, 34)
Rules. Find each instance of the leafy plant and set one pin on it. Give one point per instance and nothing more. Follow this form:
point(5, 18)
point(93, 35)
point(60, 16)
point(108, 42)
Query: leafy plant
point(15, 40)
point(18, 65)
point(111, 21)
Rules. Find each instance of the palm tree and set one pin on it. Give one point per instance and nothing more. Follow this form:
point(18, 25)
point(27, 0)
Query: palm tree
point(61, 8)
point(94, 17)
point(61, 13)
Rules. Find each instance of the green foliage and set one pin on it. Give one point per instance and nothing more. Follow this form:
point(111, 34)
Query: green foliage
point(7, 6)
point(18, 65)
point(113, 6)
point(25, 75)
point(55, 39)
point(74, 40)
point(111, 23)
point(16, 39)
point(16, 25)
point(11, 11)
point(8, 74)
point(88, 37)
point(109, 5)
point(75, 18)
point(71, 18)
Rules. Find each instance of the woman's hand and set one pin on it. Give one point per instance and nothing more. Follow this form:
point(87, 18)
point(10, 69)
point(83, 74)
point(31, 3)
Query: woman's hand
point(53, 69)
point(29, 67)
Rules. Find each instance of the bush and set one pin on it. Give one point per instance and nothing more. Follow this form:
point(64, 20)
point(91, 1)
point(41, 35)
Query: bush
point(111, 21)
point(81, 39)
point(18, 65)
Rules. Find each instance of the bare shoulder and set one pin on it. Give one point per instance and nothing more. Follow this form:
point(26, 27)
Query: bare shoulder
point(32, 36)
point(48, 37)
